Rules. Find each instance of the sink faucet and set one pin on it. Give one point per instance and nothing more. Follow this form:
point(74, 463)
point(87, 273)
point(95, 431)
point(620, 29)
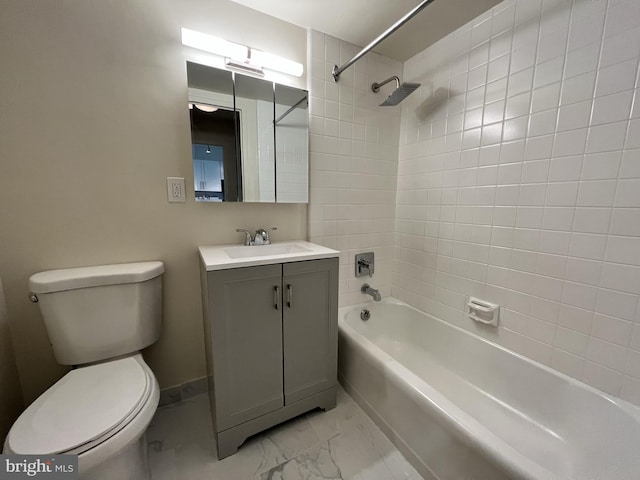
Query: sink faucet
point(366, 289)
point(261, 237)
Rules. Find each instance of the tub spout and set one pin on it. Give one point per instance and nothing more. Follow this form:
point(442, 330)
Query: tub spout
point(366, 289)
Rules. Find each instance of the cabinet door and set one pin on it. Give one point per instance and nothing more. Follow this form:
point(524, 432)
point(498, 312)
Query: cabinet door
point(246, 341)
point(310, 329)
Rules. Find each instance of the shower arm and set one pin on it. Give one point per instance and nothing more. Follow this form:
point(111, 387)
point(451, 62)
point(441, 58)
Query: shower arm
point(376, 86)
point(338, 70)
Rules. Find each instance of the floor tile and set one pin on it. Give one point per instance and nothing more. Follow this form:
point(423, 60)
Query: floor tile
point(342, 443)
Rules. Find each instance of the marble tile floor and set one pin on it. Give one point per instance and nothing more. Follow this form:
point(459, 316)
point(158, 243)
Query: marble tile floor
point(342, 443)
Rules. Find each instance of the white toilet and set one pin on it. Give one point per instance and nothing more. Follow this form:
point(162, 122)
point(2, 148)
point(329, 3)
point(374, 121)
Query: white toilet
point(97, 318)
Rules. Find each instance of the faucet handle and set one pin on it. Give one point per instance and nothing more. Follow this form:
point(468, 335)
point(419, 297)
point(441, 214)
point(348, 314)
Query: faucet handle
point(247, 236)
point(267, 238)
point(262, 236)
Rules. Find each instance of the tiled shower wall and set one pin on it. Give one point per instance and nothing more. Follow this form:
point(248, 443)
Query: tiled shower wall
point(353, 161)
point(519, 183)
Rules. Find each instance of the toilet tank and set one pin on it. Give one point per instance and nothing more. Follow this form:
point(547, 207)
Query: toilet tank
point(100, 312)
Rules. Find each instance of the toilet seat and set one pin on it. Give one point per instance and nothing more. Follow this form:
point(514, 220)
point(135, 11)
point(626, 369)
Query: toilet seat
point(83, 409)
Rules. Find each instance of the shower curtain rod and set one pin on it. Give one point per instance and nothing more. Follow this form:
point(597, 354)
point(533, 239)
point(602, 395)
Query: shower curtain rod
point(338, 70)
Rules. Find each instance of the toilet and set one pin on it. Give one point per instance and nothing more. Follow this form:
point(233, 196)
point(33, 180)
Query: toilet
point(98, 319)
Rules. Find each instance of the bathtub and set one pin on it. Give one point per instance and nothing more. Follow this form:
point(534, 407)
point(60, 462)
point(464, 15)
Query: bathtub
point(461, 407)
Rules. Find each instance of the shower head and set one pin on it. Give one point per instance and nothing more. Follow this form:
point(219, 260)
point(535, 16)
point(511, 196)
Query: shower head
point(399, 94)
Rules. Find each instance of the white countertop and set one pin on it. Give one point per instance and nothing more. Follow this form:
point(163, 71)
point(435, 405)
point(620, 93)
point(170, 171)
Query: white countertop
point(222, 257)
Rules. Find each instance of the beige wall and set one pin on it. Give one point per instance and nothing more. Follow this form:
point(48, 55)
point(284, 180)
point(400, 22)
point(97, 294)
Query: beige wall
point(10, 392)
point(93, 98)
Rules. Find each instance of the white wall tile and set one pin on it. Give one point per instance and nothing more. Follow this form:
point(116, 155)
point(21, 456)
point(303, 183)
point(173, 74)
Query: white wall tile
point(574, 116)
point(589, 246)
point(616, 78)
point(562, 194)
point(612, 108)
point(528, 177)
point(570, 143)
point(578, 89)
point(596, 193)
point(620, 46)
point(625, 221)
point(583, 270)
point(563, 169)
point(606, 138)
point(592, 220)
point(572, 341)
point(611, 329)
point(616, 304)
point(600, 166)
point(606, 354)
point(579, 295)
point(623, 250)
point(633, 134)
point(581, 60)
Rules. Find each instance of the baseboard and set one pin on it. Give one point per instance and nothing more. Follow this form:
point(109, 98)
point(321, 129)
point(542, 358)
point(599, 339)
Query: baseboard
point(184, 391)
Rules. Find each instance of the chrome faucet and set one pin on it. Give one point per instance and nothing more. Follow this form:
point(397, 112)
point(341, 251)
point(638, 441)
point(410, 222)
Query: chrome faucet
point(261, 236)
point(367, 290)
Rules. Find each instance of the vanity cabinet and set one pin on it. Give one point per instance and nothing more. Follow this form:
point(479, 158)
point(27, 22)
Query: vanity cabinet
point(271, 344)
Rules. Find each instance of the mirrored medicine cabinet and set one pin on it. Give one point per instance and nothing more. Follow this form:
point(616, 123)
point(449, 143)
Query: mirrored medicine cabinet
point(249, 136)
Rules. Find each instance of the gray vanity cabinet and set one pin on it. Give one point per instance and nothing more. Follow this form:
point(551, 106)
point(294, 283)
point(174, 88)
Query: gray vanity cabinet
point(271, 343)
point(247, 343)
point(310, 328)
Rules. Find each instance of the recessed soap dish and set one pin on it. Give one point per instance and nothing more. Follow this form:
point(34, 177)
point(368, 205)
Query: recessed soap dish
point(483, 312)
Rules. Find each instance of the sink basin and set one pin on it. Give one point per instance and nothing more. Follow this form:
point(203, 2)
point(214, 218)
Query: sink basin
point(264, 250)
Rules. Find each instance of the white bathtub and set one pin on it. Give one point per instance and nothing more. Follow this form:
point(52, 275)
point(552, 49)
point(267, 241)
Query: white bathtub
point(461, 407)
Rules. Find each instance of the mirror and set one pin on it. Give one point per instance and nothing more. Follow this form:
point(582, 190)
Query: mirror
point(214, 121)
point(250, 138)
point(292, 144)
point(254, 102)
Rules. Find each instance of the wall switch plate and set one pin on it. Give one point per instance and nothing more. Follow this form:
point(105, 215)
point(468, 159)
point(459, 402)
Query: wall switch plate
point(175, 189)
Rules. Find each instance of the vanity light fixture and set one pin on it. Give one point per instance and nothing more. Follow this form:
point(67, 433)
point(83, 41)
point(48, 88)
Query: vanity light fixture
point(211, 44)
point(246, 65)
point(239, 56)
point(279, 64)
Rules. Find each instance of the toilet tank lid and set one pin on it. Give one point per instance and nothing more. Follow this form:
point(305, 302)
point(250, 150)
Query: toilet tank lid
point(99, 275)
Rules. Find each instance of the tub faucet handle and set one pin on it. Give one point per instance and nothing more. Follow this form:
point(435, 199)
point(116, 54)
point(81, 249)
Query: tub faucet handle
point(365, 263)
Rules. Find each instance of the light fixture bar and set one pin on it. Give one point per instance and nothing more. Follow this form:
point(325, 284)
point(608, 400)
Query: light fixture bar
point(212, 44)
point(277, 63)
point(239, 56)
point(244, 66)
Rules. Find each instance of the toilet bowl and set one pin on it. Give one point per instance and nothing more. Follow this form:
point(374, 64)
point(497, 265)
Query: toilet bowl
point(99, 412)
point(101, 409)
